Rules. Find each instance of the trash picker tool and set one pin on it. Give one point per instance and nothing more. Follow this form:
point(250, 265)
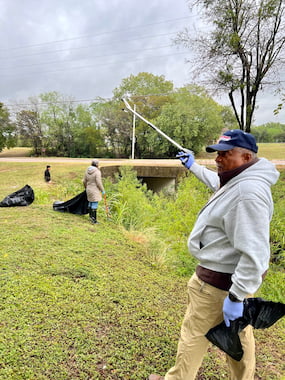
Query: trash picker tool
point(129, 108)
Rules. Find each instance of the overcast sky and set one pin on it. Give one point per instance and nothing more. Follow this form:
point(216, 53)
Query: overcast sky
point(85, 48)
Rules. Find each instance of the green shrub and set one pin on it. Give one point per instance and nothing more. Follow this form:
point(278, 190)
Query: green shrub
point(131, 205)
point(171, 218)
point(277, 234)
point(175, 219)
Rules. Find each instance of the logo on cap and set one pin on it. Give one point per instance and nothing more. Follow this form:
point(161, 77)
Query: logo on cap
point(225, 138)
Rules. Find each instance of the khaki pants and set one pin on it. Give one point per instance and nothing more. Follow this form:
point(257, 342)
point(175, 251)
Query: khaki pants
point(204, 311)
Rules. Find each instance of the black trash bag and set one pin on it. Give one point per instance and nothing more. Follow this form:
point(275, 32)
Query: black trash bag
point(77, 205)
point(257, 312)
point(22, 197)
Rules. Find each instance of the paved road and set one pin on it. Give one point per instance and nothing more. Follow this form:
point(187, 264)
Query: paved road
point(111, 162)
point(103, 161)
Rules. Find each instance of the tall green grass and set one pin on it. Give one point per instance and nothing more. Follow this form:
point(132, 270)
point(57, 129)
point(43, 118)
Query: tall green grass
point(164, 220)
point(278, 223)
point(172, 218)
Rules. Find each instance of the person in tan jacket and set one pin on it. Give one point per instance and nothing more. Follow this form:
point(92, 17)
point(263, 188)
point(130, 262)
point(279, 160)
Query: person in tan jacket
point(92, 182)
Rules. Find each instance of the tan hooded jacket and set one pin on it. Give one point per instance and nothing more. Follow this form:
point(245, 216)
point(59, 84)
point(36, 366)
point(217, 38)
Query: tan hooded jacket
point(92, 182)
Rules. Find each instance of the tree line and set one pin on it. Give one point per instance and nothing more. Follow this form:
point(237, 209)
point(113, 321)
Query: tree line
point(56, 125)
point(269, 133)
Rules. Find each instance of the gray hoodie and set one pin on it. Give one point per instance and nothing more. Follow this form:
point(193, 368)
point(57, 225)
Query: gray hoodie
point(231, 233)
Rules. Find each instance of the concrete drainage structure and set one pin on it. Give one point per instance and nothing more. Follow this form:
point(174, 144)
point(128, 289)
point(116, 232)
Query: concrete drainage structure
point(156, 178)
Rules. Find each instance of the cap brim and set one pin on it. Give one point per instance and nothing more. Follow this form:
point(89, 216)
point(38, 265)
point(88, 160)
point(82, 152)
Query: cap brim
point(219, 147)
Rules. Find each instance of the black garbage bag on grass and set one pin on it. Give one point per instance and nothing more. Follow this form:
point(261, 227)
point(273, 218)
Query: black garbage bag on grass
point(77, 205)
point(257, 312)
point(22, 197)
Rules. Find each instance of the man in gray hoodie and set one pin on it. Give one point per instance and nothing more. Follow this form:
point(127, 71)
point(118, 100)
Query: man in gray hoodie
point(230, 240)
point(92, 182)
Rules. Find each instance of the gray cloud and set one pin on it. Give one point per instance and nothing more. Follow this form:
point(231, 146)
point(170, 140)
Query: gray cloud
point(84, 49)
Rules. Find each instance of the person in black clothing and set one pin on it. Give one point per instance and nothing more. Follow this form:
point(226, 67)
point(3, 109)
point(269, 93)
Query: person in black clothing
point(47, 174)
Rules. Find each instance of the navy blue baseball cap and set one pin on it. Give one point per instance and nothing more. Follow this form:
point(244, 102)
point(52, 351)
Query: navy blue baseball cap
point(233, 139)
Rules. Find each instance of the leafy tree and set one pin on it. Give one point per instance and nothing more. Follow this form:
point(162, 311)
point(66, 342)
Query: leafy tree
point(148, 92)
point(7, 129)
point(143, 84)
point(88, 141)
point(280, 105)
point(58, 116)
point(228, 117)
point(244, 45)
point(115, 128)
point(192, 118)
point(30, 130)
point(188, 115)
point(269, 133)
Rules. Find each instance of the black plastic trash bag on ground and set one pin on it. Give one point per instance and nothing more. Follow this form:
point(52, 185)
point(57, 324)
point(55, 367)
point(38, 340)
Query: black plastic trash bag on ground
point(22, 197)
point(77, 205)
point(257, 312)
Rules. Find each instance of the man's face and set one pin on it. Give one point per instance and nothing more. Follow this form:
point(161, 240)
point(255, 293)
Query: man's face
point(231, 159)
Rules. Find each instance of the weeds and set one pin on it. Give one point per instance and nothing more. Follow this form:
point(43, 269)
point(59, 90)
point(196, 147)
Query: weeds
point(278, 223)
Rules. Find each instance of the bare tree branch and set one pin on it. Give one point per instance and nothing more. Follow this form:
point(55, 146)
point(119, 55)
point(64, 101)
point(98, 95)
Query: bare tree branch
point(245, 44)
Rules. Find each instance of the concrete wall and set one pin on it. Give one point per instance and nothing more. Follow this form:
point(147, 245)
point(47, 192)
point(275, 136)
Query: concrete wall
point(157, 178)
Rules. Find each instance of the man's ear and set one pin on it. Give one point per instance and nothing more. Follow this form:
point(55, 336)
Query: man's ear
point(247, 156)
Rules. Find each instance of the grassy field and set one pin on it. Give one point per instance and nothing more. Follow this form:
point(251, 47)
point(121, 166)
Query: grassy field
point(15, 152)
point(82, 301)
point(271, 151)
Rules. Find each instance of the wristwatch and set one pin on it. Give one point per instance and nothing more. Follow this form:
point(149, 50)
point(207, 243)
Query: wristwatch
point(233, 298)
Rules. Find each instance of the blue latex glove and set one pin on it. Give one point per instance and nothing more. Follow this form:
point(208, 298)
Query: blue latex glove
point(103, 192)
point(187, 159)
point(232, 310)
